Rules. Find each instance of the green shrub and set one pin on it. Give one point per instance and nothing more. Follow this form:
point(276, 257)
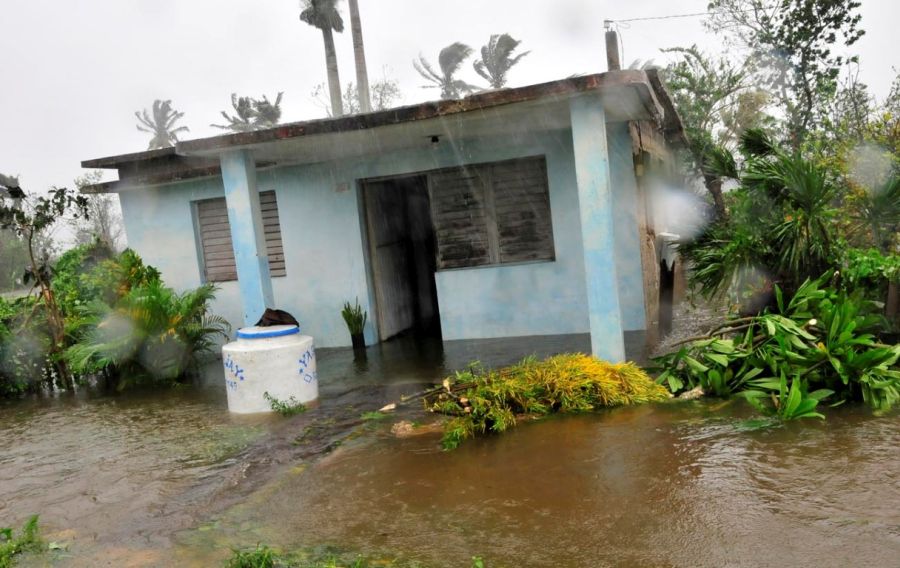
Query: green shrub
point(152, 334)
point(822, 338)
point(68, 283)
point(90, 273)
point(23, 355)
point(12, 545)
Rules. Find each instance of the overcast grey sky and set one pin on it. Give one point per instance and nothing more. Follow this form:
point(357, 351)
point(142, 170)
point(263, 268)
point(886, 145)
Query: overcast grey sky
point(73, 73)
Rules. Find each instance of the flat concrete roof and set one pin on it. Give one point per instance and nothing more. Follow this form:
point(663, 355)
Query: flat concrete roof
point(626, 95)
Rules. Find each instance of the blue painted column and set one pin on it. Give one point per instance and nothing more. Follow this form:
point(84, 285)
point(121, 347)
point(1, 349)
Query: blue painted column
point(628, 239)
point(595, 205)
point(247, 236)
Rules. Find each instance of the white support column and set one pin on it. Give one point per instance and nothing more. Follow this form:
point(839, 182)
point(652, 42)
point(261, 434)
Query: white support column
point(595, 204)
point(247, 236)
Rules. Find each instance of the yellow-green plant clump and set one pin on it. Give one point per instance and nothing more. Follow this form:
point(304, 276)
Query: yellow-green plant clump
point(486, 400)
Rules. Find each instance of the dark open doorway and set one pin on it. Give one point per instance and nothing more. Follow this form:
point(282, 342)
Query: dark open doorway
point(402, 251)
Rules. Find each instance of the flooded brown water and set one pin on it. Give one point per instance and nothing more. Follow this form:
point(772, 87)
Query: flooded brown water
point(171, 479)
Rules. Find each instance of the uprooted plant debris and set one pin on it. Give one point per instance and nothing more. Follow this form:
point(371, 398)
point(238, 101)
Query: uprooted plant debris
point(487, 400)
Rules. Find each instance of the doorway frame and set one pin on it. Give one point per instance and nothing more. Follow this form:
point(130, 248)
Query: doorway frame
point(373, 272)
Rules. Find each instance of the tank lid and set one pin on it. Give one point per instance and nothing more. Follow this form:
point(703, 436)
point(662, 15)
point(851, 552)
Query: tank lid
point(258, 332)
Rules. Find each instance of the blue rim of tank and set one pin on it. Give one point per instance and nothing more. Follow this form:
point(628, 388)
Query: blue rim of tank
point(268, 334)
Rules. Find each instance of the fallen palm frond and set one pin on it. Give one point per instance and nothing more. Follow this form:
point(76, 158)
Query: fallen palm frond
point(483, 400)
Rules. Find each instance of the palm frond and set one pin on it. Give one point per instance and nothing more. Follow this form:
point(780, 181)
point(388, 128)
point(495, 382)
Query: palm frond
point(720, 162)
point(755, 142)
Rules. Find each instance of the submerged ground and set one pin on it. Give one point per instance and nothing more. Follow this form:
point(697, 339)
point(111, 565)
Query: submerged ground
point(171, 479)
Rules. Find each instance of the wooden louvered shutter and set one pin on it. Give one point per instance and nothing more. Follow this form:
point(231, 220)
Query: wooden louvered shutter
point(460, 217)
point(215, 240)
point(522, 210)
point(216, 244)
point(272, 229)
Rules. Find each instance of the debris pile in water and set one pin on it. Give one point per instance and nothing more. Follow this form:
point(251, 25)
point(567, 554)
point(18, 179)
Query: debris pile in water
point(482, 400)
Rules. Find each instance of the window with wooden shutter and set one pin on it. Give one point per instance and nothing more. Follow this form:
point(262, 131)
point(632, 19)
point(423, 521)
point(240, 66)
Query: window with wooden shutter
point(215, 238)
point(488, 214)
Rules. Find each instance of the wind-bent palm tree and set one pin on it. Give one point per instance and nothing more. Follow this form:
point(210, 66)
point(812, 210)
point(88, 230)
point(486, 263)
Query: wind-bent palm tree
point(251, 114)
point(161, 124)
point(242, 121)
point(324, 15)
point(450, 60)
point(359, 55)
point(267, 114)
point(497, 59)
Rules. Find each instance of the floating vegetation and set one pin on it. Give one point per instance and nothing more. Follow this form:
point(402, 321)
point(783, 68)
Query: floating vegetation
point(483, 400)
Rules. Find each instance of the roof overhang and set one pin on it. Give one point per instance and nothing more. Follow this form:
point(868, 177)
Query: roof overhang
point(624, 95)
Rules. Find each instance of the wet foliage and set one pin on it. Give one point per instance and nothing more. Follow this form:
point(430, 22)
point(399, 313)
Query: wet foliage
point(288, 407)
point(119, 322)
point(821, 345)
point(12, 544)
point(484, 401)
point(150, 335)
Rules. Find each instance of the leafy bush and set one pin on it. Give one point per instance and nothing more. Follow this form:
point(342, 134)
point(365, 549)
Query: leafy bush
point(869, 268)
point(823, 337)
point(23, 356)
point(152, 334)
point(483, 401)
point(90, 273)
point(67, 281)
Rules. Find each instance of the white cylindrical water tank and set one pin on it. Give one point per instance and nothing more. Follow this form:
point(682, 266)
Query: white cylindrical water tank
point(266, 363)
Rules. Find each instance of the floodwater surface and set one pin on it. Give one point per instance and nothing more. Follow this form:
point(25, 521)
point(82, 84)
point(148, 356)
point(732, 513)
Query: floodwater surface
point(678, 484)
point(169, 478)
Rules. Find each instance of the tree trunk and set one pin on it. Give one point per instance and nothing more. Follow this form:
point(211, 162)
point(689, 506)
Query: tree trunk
point(714, 186)
point(334, 79)
point(359, 54)
point(892, 305)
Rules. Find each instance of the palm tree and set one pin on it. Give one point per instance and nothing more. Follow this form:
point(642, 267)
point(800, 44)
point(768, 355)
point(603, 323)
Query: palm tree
point(497, 59)
point(450, 60)
point(242, 121)
point(359, 54)
point(324, 15)
point(161, 124)
point(267, 114)
point(251, 114)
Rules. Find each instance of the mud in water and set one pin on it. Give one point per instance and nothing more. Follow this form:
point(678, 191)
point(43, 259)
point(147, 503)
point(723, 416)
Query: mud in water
point(679, 484)
point(171, 479)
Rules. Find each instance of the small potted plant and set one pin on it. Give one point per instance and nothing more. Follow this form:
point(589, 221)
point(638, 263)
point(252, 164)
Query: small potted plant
point(355, 317)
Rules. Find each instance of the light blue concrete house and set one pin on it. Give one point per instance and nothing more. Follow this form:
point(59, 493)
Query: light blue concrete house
point(517, 212)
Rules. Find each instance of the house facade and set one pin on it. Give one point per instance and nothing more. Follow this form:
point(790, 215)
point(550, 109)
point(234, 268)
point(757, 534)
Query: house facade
point(516, 212)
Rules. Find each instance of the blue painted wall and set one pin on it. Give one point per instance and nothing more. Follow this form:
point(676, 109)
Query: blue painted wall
point(325, 254)
point(628, 246)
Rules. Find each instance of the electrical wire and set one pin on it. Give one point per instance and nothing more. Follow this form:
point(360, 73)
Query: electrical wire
point(663, 17)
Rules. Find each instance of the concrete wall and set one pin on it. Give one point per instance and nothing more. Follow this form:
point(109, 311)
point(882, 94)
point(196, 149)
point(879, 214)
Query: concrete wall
point(325, 254)
point(629, 271)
